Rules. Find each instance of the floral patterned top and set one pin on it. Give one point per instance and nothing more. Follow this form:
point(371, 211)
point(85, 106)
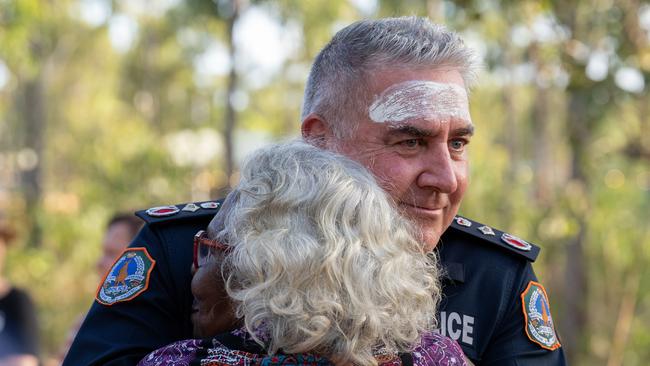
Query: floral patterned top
point(238, 349)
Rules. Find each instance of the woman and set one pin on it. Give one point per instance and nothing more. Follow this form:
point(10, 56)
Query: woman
point(320, 269)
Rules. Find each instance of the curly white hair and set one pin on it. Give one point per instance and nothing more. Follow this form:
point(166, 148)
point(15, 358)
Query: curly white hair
point(321, 261)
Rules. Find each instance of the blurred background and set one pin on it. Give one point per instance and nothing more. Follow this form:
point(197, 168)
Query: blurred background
point(120, 105)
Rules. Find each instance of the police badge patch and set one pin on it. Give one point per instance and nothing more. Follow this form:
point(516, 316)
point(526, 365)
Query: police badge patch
point(537, 313)
point(127, 278)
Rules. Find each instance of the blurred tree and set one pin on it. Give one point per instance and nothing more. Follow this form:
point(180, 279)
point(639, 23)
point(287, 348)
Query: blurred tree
point(29, 42)
point(113, 104)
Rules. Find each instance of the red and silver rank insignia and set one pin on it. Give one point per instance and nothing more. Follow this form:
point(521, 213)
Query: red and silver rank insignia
point(537, 313)
point(191, 207)
point(127, 278)
point(210, 205)
point(486, 230)
point(162, 211)
point(515, 242)
point(463, 221)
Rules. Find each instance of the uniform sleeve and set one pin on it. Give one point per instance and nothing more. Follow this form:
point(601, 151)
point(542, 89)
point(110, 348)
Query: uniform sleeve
point(511, 346)
point(124, 332)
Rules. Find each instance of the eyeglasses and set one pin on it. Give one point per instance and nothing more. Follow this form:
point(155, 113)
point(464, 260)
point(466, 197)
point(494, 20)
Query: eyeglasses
point(203, 247)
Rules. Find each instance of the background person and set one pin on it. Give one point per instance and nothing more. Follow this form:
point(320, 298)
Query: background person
point(391, 94)
point(321, 269)
point(18, 322)
point(120, 231)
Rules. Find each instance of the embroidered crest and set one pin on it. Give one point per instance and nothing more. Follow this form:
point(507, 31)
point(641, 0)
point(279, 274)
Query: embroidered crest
point(191, 207)
point(486, 230)
point(162, 211)
point(127, 278)
point(463, 221)
point(210, 205)
point(515, 242)
point(537, 313)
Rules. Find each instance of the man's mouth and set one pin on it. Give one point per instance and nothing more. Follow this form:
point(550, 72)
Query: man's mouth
point(425, 210)
point(423, 207)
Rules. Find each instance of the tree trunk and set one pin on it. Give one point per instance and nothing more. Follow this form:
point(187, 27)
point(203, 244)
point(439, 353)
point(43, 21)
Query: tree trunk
point(31, 105)
point(575, 291)
point(573, 321)
point(625, 319)
point(230, 118)
point(540, 122)
point(512, 137)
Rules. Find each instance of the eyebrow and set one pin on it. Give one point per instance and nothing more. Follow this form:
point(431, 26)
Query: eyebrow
point(410, 130)
point(467, 130)
point(418, 132)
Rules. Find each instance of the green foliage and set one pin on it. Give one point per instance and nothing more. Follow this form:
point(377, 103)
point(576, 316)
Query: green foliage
point(559, 156)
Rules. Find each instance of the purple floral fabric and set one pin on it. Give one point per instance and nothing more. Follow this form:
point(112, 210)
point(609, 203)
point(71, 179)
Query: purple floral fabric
point(180, 353)
point(433, 349)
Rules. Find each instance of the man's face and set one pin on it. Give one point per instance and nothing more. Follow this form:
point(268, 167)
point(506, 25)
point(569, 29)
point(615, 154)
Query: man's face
point(412, 137)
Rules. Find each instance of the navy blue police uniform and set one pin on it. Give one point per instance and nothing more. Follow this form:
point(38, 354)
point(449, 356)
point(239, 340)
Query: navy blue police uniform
point(122, 330)
point(492, 304)
point(145, 300)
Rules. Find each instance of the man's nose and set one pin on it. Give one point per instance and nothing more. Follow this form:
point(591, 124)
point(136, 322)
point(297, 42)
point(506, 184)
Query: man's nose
point(438, 171)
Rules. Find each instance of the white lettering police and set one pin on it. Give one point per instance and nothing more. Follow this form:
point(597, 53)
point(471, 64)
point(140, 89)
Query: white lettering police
point(459, 327)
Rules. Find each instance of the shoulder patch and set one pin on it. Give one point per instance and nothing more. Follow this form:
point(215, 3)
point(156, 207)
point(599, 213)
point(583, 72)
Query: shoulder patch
point(127, 278)
point(179, 212)
point(502, 239)
point(162, 211)
point(538, 320)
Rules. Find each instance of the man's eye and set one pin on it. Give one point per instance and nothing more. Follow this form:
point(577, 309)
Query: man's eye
point(458, 144)
point(411, 143)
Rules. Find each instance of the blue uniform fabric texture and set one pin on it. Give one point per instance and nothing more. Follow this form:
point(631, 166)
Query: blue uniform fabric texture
point(481, 306)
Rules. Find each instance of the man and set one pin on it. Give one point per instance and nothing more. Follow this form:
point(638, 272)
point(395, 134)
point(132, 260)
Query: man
point(391, 94)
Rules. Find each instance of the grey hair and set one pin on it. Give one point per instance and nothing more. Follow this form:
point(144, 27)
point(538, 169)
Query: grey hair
point(321, 261)
point(337, 85)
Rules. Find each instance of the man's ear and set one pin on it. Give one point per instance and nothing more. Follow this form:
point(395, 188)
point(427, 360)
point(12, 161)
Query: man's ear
point(316, 131)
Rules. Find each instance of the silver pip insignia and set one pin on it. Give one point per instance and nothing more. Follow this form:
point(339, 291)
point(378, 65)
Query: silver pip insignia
point(486, 230)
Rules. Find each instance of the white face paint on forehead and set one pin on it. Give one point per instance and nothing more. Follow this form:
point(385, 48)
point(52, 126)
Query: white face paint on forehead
point(420, 99)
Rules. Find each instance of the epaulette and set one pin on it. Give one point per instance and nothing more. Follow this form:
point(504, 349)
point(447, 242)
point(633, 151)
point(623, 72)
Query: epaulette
point(191, 210)
point(502, 239)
